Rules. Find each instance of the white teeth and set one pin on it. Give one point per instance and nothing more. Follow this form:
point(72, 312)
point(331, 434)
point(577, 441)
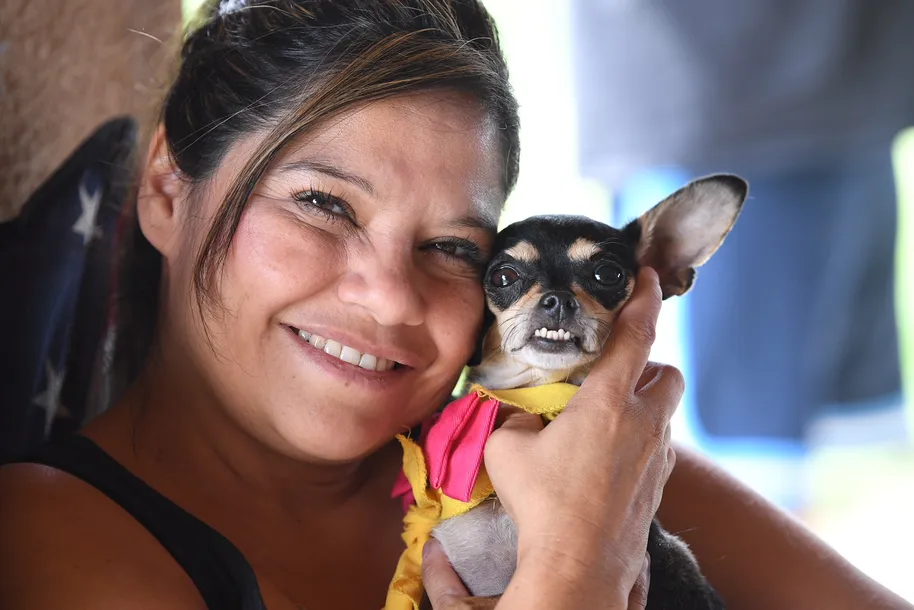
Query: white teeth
point(333, 348)
point(347, 354)
point(367, 361)
point(317, 341)
point(553, 335)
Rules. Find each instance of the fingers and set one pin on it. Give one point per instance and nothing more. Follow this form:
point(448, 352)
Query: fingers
point(670, 463)
point(649, 375)
point(662, 387)
point(512, 418)
point(442, 585)
point(630, 341)
point(515, 430)
point(637, 599)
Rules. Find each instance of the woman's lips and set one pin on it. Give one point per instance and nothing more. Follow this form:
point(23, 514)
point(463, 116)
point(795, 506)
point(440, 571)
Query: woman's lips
point(345, 353)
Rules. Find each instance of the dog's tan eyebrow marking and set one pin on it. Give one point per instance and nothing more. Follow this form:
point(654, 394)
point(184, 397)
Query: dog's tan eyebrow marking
point(582, 249)
point(523, 251)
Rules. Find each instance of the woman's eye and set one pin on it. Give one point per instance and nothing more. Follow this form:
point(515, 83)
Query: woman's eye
point(608, 274)
point(323, 203)
point(502, 277)
point(466, 253)
point(451, 249)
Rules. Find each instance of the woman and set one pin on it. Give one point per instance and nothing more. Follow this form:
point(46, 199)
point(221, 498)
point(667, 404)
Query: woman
point(313, 214)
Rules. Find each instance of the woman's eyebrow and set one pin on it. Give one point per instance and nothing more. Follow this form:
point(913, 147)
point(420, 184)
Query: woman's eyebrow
point(474, 222)
point(322, 167)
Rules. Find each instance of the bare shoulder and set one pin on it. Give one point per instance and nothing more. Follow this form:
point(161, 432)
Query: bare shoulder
point(63, 543)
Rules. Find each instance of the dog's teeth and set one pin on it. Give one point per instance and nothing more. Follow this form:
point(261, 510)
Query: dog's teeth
point(536, 333)
point(567, 336)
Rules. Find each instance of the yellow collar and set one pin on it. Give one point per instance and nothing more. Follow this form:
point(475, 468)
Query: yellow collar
point(546, 400)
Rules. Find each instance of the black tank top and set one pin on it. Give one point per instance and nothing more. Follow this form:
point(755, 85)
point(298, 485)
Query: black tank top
point(220, 572)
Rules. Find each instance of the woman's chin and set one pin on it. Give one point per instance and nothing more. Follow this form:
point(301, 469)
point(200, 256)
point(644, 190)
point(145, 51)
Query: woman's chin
point(342, 440)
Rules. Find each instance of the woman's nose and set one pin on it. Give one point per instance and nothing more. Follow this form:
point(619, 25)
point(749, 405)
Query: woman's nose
point(385, 287)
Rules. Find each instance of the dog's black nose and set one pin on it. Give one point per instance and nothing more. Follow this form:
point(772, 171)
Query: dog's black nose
point(559, 304)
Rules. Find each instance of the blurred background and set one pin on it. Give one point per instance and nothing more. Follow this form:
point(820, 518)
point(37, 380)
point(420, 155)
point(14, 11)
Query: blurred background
point(797, 340)
point(798, 337)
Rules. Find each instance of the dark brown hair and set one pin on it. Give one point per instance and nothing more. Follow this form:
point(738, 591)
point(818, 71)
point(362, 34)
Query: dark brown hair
point(286, 66)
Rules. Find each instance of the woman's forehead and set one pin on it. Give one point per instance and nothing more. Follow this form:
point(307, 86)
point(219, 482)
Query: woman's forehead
point(416, 131)
point(439, 146)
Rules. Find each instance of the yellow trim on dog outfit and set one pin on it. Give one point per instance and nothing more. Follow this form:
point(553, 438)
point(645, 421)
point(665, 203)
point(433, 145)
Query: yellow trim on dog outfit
point(433, 506)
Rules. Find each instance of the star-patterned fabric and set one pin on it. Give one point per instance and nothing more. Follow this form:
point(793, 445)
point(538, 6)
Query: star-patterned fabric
point(55, 282)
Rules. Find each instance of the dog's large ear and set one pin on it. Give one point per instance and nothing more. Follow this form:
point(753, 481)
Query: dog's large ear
point(487, 321)
point(681, 232)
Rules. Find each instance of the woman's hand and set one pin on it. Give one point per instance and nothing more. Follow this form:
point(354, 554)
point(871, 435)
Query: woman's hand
point(445, 591)
point(583, 490)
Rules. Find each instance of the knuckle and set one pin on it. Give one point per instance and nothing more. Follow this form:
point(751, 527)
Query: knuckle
point(665, 393)
point(501, 443)
point(657, 436)
point(642, 330)
point(493, 445)
point(674, 378)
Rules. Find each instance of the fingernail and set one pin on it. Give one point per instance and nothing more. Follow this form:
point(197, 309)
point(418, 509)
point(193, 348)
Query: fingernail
point(427, 548)
point(650, 374)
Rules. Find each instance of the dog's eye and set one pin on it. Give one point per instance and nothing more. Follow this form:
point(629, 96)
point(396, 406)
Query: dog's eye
point(503, 276)
point(608, 274)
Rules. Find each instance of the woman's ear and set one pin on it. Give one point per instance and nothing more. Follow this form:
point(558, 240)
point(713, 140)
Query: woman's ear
point(160, 197)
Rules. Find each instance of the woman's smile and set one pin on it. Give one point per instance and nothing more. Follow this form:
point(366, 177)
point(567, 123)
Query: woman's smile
point(345, 353)
point(342, 353)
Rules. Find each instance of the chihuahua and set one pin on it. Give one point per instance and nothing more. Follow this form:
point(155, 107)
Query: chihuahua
point(554, 287)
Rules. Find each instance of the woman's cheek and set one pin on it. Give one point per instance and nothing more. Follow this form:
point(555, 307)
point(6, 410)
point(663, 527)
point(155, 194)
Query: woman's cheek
point(462, 319)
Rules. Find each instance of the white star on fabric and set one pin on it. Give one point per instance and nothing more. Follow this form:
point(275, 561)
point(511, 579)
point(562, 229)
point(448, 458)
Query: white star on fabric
point(85, 226)
point(49, 400)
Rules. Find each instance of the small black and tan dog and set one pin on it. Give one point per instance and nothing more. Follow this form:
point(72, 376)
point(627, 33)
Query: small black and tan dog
point(554, 287)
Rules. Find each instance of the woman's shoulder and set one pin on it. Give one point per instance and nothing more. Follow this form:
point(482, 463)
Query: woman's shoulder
point(66, 543)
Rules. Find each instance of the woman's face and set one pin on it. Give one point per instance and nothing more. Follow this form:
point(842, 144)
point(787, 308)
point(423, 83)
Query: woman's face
point(351, 291)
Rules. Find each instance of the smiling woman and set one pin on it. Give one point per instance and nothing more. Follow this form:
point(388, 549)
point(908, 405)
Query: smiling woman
point(377, 252)
point(302, 283)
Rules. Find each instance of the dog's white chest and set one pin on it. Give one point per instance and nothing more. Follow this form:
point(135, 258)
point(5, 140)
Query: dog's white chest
point(482, 546)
